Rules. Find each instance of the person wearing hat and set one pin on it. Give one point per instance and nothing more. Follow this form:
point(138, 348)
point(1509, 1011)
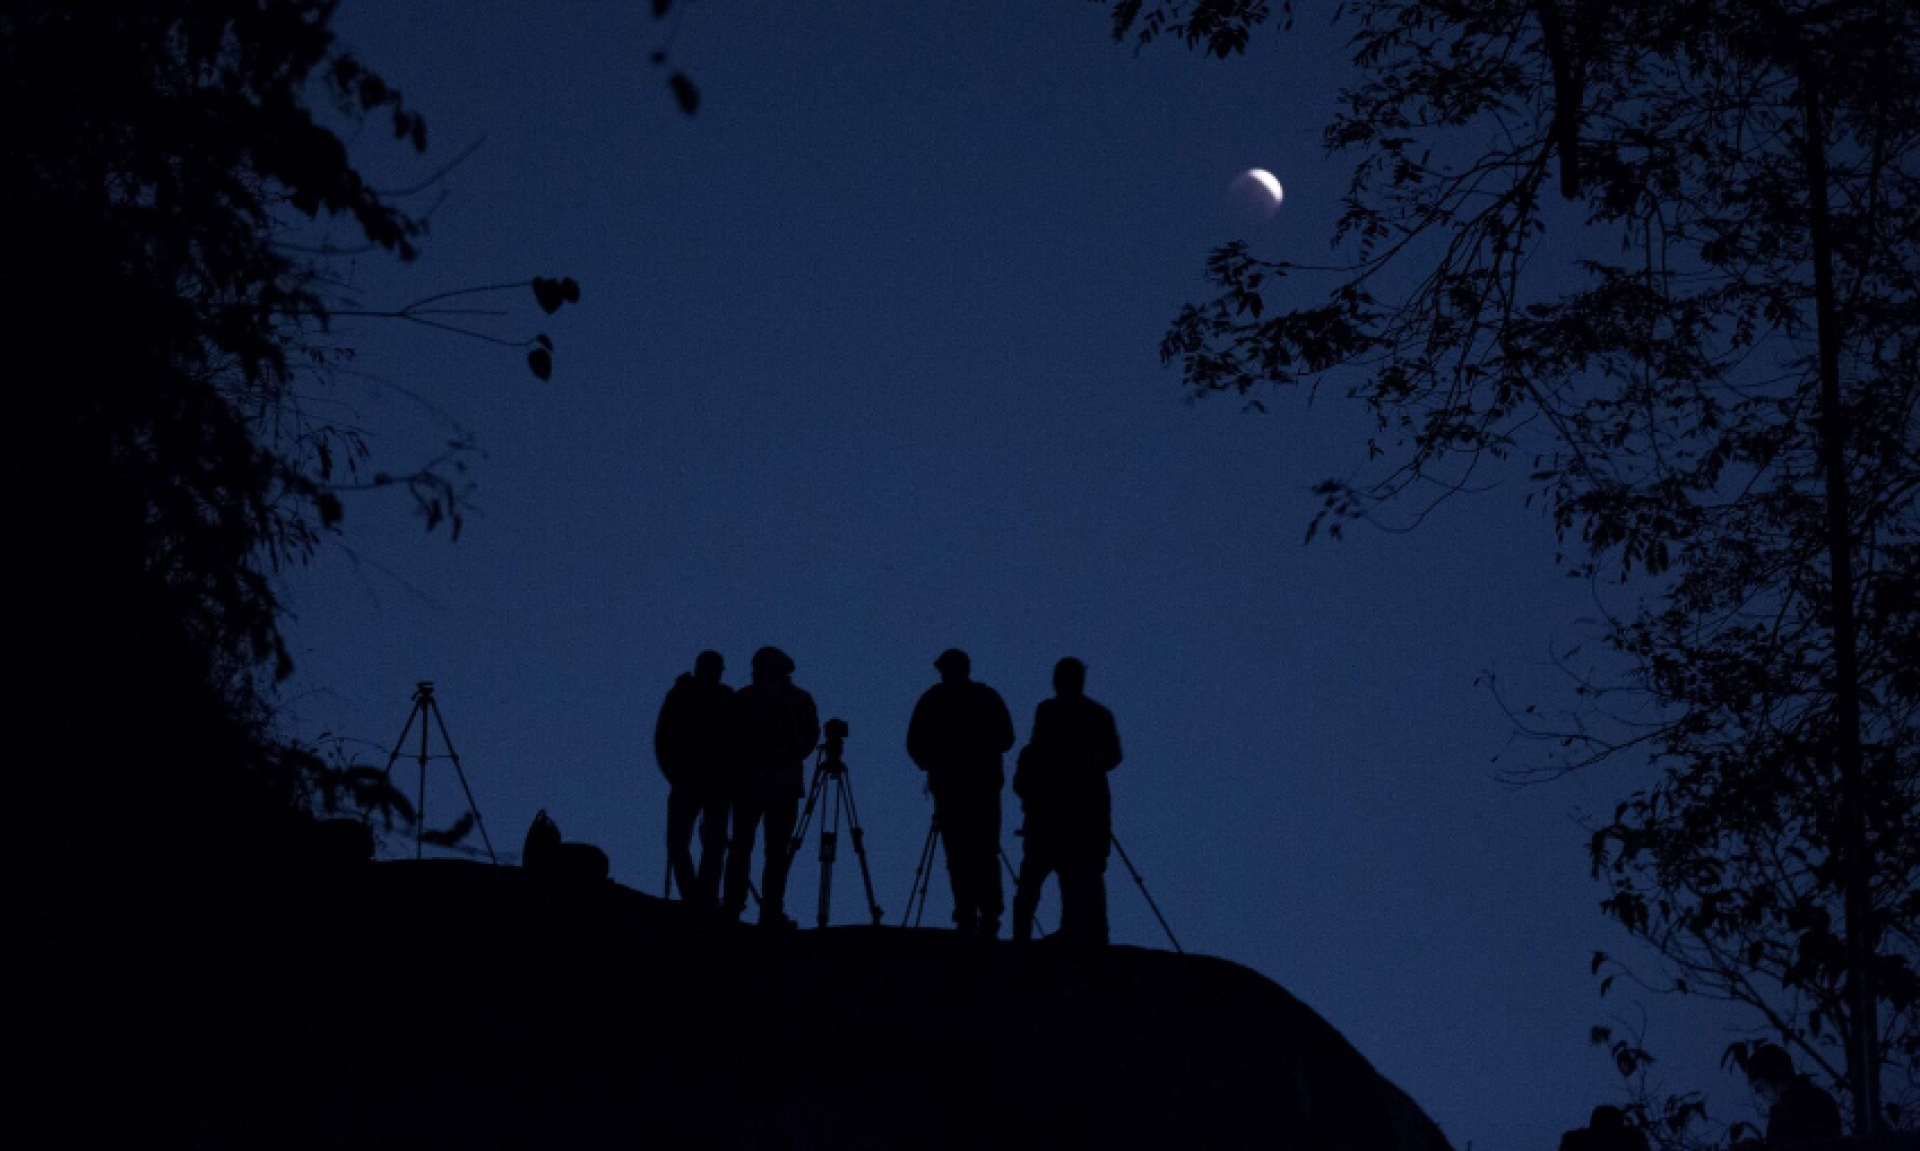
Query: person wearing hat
point(778, 728)
point(959, 733)
point(1061, 780)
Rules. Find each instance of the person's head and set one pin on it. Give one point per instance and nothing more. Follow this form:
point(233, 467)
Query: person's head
point(954, 665)
point(771, 663)
point(1069, 677)
point(708, 666)
point(1578, 1139)
point(1769, 1067)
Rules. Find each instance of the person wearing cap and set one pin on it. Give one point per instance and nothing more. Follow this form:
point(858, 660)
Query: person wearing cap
point(778, 727)
point(693, 742)
point(959, 733)
point(1061, 779)
point(1798, 1110)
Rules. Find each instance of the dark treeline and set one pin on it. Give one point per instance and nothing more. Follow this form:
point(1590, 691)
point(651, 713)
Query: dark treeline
point(156, 347)
point(164, 333)
point(1652, 263)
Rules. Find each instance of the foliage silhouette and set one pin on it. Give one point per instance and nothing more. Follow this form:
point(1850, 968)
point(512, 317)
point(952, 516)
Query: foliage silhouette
point(161, 430)
point(686, 94)
point(1704, 357)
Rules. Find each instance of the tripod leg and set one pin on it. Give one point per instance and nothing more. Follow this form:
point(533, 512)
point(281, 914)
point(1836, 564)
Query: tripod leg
point(420, 828)
point(860, 850)
point(920, 869)
point(926, 876)
point(460, 774)
point(806, 816)
point(829, 843)
point(395, 757)
point(402, 740)
point(1142, 885)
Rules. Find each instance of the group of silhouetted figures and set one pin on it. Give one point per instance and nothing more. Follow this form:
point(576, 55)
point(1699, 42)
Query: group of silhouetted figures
point(736, 764)
point(1799, 1113)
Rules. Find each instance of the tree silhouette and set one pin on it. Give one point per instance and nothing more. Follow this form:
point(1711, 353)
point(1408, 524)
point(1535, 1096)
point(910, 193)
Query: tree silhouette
point(1703, 351)
point(163, 463)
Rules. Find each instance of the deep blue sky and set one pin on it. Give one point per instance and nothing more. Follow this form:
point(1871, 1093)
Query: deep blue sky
point(866, 367)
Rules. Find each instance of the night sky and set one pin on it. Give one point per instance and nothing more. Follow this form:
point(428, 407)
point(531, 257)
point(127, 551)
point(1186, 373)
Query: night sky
point(866, 367)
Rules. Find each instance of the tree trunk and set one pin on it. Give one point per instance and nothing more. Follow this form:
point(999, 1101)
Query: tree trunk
point(1863, 1031)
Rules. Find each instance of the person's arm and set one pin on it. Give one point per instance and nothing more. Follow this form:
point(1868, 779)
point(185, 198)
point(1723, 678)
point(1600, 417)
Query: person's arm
point(732, 736)
point(1003, 736)
point(1110, 738)
point(810, 724)
point(1042, 735)
point(917, 737)
point(1027, 768)
point(666, 738)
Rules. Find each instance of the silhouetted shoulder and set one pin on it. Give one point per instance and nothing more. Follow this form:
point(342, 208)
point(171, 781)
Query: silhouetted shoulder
point(989, 698)
point(1804, 1113)
point(1110, 738)
point(1090, 726)
point(807, 721)
point(998, 720)
point(1578, 1139)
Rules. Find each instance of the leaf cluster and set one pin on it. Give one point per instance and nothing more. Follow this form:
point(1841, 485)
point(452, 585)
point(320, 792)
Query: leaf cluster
point(159, 431)
point(1577, 242)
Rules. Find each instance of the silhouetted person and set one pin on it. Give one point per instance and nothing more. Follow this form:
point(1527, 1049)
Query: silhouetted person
point(778, 729)
point(1577, 1139)
point(694, 743)
point(959, 732)
point(1798, 1111)
point(1062, 782)
point(1607, 1130)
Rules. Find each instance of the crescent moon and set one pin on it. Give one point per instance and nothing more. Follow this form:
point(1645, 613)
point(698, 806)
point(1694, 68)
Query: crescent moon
point(1268, 182)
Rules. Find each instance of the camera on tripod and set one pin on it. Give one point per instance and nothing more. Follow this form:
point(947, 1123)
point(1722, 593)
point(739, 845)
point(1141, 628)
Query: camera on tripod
point(831, 776)
point(836, 739)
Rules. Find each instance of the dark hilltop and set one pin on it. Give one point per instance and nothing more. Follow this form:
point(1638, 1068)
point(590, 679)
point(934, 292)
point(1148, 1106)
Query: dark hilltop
point(453, 1004)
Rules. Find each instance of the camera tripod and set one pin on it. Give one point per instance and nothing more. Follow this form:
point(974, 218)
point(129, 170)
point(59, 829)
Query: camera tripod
point(830, 775)
point(1142, 885)
point(923, 878)
point(425, 705)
